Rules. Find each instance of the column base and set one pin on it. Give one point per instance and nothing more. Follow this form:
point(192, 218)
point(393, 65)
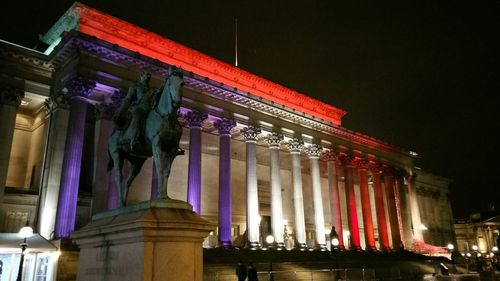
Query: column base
point(301, 247)
point(253, 245)
point(226, 245)
point(147, 241)
point(279, 246)
point(321, 247)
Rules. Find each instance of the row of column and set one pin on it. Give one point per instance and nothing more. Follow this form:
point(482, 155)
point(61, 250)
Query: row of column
point(398, 216)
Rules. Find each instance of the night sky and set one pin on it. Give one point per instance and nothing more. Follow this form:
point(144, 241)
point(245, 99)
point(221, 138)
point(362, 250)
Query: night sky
point(422, 76)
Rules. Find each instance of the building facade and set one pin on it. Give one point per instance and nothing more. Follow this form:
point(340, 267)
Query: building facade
point(260, 160)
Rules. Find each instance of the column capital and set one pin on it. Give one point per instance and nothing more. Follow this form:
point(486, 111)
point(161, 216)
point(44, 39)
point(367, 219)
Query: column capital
point(329, 155)
point(375, 167)
point(224, 126)
point(360, 163)
point(388, 170)
point(313, 151)
point(80, 86)
point(346, 160)
point(195, 118)
point(295, 145)
point(251, 133)
point(57, 100)
point(107, 109)
point(10, 96)
point(274, 139)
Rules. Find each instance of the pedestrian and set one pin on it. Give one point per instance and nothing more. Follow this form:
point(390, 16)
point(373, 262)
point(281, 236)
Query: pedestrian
point(241, 271)
point(252, 273)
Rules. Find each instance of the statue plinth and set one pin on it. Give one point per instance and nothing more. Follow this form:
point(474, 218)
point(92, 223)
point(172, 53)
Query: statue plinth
point(154, 240)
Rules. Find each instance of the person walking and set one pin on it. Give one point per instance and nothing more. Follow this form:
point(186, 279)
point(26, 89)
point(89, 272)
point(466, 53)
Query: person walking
point(252, 273)
point(241, 271)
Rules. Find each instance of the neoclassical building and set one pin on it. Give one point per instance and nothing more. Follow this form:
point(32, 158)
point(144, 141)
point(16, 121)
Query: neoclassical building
point(260, 160)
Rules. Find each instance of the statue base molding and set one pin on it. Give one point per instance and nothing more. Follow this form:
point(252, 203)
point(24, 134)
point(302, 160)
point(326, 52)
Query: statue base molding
point(157, 240)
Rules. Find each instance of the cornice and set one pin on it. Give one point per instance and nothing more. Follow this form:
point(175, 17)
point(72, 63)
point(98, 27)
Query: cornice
point(95, 23)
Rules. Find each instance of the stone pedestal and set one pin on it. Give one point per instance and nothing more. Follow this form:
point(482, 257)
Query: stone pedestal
point(154, 240)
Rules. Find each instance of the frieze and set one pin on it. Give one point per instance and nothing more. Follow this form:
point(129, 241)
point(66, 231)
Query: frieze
point(10, 96)
point(80, 86)
point(30, 60)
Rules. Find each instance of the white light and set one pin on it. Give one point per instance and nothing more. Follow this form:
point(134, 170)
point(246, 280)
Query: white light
point(494, 249)
point(474, 247)
point(463, 254)
point(450, 247)
point(468, 254)
point(423, 227)
point(492, 254)
point(269, 239)
point(335, 242)
point(26, 232)
point(478, 254)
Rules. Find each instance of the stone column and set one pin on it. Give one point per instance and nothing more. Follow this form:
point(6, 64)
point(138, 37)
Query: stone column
point(10, 99)
point(380, 207)
point(415, 211)
point(274, 140)
point(295, 146)
point(57, 113)
point(224, 127)
point(194, 119)
point(250, 133)
point(404, 210)
point(331, 157)
point(102, 178)
point(352, 214)
point(70, 178)
point(391, 207)
point(313, 152)
point(362, 166)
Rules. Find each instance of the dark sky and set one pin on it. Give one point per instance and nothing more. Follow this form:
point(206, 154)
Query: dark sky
point(422, 76)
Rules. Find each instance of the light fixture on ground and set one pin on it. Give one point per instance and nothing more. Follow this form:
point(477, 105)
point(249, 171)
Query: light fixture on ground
point(450, 247)
point(474, 247)
point(494, 249)
point(334, 239)
point(25, 232)
point(269, 241)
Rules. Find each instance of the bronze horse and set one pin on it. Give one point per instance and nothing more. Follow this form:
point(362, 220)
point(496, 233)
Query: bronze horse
point(161, 137)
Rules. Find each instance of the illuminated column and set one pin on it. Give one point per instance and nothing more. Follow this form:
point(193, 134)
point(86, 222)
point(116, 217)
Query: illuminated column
point(194, 119)
point(102, 179)
point(352, 214)
point(415, 211)
point(250, 133)
point(331, 157)
point(274, 140)
point(362, 166)
point(391, 207)
point(10, 99)
point(404, 211)
point(314, 151)
point(225, 209)
point(380, 207)
point(57, 114)
point(70, 179)
point(295, 146)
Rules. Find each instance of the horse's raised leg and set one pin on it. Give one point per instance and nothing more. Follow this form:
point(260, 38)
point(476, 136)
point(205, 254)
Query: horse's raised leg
point(134, 171)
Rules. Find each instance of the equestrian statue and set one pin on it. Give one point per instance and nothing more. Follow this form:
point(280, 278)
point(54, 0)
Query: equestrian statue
point(146, 125)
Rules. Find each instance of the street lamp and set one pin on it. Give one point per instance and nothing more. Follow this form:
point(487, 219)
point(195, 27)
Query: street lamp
point(25, 232)
point(450, 247)
point(334, 239)
point(269, 241)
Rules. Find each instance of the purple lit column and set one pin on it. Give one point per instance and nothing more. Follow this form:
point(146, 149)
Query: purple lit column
point(194, 119)
point(225, 209)
point(70, 179)
point(250, 133)
point(10, 98)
